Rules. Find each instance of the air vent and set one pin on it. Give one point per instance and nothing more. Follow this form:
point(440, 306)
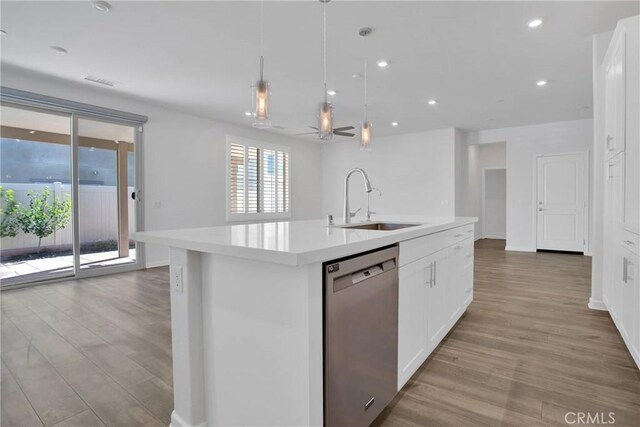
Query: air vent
point(100, 80)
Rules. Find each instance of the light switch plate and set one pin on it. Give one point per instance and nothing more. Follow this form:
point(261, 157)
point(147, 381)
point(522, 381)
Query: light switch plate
point(176, 278)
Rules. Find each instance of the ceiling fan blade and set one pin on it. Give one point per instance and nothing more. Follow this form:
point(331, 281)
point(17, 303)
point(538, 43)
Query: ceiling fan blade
point(343, 128)
point(313, 127)
point(343, 133)
point(306, 133)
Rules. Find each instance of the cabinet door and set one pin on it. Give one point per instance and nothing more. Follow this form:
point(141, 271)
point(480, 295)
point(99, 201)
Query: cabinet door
point(633, 276)
point(632, 128)
point(459, 289)
point(437, 311)
point(466, 282)
point(414, 280)
point(452, 267)
point(614, 197)
point(615, 97)
point(628, 311)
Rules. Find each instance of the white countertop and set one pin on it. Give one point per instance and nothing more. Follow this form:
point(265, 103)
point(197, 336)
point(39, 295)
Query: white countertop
point(296, 242)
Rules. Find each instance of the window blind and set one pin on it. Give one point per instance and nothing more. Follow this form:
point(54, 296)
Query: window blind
point(259, 180)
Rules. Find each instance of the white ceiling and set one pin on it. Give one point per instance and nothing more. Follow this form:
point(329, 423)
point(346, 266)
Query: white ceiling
point(479, 59)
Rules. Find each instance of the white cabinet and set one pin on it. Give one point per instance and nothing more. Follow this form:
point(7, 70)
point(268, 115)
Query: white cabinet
point(435, 288)
point(414, 280)
point(628, 318)
point(615, 96)
point(621, 287)
point(438, 298)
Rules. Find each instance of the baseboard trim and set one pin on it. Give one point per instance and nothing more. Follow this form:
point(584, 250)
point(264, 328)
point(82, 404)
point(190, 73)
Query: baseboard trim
point(518, 249)
point(177, 421)
point(596, 304)
point(157, 264)
point(499, 236)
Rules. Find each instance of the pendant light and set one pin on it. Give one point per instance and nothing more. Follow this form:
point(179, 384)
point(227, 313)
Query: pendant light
point(365, 128)
point(262, 87)
point(325, 112)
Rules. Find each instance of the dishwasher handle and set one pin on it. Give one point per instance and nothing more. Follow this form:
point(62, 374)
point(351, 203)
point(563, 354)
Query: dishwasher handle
point(362, 275)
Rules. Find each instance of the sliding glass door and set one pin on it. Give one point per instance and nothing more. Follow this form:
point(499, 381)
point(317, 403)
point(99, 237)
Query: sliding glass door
point(67, 185)
point(106, 182)
point(36, 235)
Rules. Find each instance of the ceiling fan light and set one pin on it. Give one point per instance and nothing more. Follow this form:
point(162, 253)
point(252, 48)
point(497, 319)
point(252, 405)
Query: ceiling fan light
point(325, 121)
point(365, 136)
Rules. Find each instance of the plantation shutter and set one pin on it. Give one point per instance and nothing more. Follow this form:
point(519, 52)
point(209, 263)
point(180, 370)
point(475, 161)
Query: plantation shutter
point(259, 180)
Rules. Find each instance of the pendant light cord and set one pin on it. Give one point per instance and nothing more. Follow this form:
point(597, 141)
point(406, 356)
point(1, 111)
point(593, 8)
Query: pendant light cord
point(261, 39)
point(365, 89)
point(324, 47)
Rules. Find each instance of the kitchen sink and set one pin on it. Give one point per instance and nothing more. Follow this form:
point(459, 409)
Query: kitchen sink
point(380, 226)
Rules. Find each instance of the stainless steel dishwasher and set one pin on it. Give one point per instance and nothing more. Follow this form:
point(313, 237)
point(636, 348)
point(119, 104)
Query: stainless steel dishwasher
point(361, 337)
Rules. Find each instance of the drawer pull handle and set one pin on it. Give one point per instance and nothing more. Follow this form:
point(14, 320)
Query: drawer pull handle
point(458, 235)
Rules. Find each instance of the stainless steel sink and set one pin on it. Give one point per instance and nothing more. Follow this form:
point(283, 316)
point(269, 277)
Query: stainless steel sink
point(380, 226)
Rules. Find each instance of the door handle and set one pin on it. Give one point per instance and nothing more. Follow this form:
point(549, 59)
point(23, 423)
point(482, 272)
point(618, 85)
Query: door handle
point(430, 281)
point(434, 273)
point(609, 139)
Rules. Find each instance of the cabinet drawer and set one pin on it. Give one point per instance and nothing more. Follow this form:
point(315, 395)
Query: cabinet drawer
point(411, 250)
point(631, 242)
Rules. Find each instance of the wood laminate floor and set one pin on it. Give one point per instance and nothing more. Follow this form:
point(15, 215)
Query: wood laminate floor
point(527, 352)
point(97, 352)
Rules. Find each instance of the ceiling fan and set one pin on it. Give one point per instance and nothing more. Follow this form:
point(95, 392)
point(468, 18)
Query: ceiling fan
point(336, 131)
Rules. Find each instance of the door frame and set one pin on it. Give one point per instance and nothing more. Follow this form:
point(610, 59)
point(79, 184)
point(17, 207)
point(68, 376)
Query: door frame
point(139, 224)
point(34, 104)
point(587, 199)
point(482, 202)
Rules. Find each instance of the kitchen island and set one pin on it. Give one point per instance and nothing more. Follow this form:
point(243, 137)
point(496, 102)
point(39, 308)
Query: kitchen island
point(247, 310)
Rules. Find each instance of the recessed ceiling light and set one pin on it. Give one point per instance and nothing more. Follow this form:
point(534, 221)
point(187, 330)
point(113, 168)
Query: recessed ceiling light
point(541, 82)
point(535, 23)
point(101, 6)
point(331, 92)
point(248, 113)
point(59, 50)
point(32, 132)
point(394, 124)
point(432, 102)
point(382, 63)
point(3, 32)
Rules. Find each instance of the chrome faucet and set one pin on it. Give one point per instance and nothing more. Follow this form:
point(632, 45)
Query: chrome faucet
point(367, 185)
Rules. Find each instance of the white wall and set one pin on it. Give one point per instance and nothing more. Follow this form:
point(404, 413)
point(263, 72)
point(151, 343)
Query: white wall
point(184, 158)
point(416, 173)
point(477, 158)
point(494, 214)
point(600, 43)
point(523, 145)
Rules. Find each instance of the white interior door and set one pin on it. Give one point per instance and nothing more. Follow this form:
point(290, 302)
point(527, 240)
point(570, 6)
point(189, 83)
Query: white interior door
point(561, 202)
